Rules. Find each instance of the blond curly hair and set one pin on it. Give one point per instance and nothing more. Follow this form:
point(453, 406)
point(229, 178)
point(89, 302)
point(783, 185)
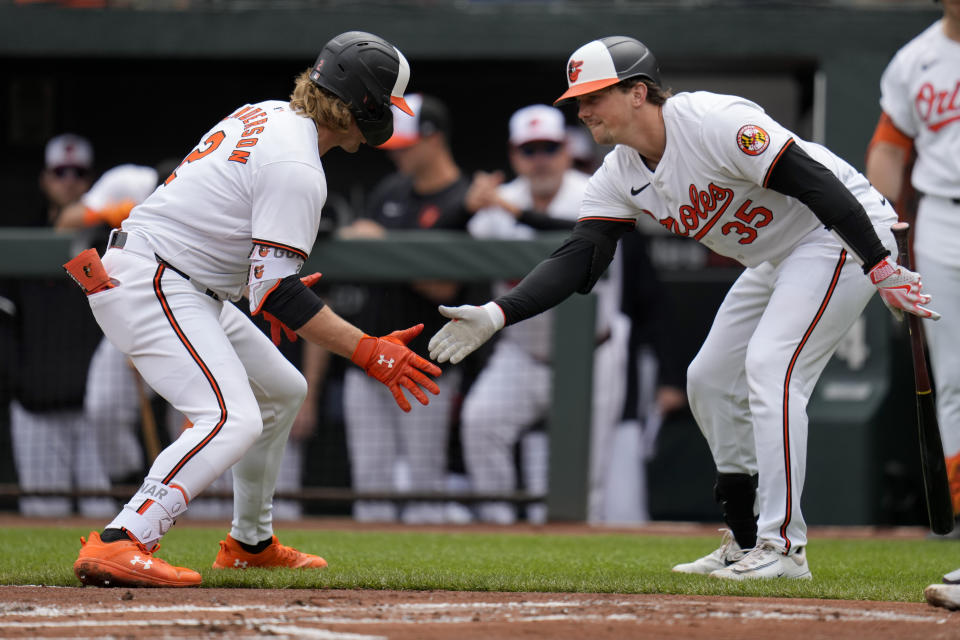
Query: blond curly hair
point(318, 104)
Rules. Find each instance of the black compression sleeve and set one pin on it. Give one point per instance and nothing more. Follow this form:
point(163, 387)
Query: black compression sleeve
point(292, 303)
point(798, 175)
point(544, 222)
point(574, 267)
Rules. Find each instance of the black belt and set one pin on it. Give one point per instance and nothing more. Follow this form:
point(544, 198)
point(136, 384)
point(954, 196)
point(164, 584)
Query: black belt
point(119, 238)
point(955, 200)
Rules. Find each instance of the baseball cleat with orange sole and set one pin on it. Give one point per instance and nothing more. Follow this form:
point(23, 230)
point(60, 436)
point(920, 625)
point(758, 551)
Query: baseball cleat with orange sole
point(233, 556)
point(126, 563)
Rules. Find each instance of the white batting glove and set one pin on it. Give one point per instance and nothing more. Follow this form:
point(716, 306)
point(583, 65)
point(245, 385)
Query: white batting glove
point(900, 290)
point(468, 328)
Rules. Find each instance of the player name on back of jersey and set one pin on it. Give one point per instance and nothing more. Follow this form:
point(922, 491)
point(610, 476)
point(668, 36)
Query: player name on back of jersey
point(253, 119)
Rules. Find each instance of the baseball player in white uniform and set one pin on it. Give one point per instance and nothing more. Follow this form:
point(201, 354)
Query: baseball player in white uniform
point(513, 391)
point(920, 98)
point(812, 232)
point(239, 217)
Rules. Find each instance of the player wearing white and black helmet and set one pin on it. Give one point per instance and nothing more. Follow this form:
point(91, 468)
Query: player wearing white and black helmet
point(812, 232)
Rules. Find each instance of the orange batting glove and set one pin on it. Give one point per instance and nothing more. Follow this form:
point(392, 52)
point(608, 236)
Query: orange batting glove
point(277, 328)
point(390, 361)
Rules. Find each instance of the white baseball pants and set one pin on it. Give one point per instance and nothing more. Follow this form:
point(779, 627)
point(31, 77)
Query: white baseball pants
point(751, 380)
point(218, 369)
point(379, 434)
point(936, 243)
point(512, 393)
point(57, 450)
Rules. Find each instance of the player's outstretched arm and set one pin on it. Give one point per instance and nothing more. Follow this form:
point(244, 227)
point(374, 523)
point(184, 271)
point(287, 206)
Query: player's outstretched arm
point(574, 267)
point(469, 327)
point(387, 358)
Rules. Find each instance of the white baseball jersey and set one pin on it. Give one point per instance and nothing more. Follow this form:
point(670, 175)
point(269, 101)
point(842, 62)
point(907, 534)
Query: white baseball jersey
point(710, 183)
point(921, 94)
point(750, 383)
point(123, 182)
point(256, 178)
point(535, 334)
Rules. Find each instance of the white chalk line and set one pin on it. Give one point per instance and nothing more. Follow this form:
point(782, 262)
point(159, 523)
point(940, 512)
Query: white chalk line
point(524, 611)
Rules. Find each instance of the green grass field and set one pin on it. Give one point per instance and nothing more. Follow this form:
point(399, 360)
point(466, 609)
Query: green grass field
point(605, 563)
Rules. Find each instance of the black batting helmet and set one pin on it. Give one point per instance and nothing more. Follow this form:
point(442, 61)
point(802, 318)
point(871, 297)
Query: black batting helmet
point(368, 74)
point(605, 62)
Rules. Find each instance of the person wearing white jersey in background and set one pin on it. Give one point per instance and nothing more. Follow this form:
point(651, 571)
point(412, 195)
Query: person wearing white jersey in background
point(920, 98)
point(111, 399)
point(238, 217)
point(718, 169)
point(512, 392)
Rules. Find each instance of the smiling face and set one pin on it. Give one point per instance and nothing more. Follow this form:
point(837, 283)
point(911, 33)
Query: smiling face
point(607, 113)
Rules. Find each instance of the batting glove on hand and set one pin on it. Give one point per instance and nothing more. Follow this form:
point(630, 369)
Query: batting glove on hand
point(468, 328)
point(277, 328)
point(388, 360)
point(900, 290)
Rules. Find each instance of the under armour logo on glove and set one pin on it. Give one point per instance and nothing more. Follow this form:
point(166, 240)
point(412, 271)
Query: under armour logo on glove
point(410, 369)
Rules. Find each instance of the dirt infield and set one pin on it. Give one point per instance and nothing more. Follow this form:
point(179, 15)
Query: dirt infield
point(66, 612)
point(74, 612)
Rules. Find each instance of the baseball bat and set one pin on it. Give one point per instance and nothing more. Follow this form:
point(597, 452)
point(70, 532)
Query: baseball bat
point(932, 462)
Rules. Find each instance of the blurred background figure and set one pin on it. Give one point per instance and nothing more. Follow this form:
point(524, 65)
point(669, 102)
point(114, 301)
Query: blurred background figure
point(512, 393)
point(915, 148)
point(115, 397)
point(390, 450)
point(585, 153)
point(53, 338)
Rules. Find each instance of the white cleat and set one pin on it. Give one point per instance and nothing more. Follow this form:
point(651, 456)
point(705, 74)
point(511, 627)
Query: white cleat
point(943, 595)
point(728, 553)
point(765, 562)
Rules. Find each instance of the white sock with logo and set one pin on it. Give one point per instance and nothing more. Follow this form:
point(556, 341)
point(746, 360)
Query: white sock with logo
point(151, 512)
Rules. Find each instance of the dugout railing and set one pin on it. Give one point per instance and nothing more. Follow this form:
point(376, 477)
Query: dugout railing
point(862, 429)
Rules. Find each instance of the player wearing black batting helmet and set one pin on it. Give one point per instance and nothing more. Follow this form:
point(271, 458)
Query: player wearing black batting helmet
point(259, 174)
point(369, 74)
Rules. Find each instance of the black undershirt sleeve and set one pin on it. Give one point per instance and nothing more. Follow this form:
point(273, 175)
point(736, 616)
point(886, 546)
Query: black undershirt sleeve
point(543, 222)
point(292, 303)
point(573, 268)
point(798, 175)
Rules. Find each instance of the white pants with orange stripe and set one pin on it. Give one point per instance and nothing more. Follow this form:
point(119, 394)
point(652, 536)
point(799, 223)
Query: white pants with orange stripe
point(218, 369)
point(751, 380)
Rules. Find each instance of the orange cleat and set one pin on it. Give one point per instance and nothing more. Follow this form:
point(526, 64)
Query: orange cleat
point(233, 556)
point(126, 563)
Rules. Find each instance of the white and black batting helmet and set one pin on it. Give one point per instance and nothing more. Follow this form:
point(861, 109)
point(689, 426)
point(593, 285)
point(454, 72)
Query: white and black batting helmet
point(605, 62)
point(368, 74)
